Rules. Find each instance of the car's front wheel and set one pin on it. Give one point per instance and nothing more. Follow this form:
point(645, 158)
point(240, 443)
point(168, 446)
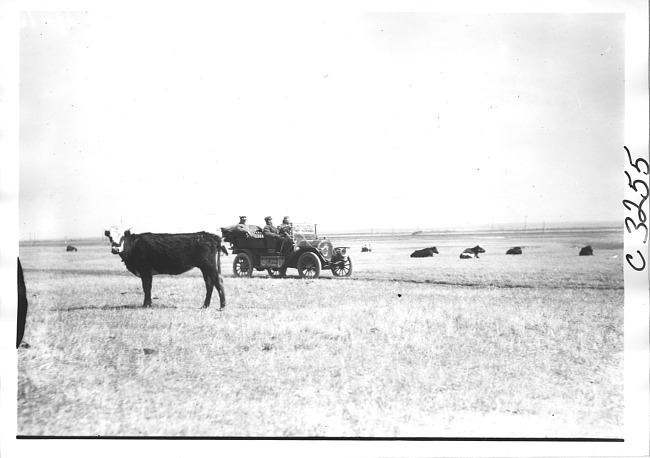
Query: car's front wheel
point(342, 268)
point(308, 265)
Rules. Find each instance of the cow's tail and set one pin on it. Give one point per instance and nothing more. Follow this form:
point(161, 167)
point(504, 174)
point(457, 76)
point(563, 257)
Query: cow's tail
point(220, 248)
point(219, 258)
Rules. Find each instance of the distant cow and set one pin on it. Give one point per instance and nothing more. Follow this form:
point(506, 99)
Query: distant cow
point(425, 252)
point(471, 252)
point(366, 248)
point(150, 254)
point(70, 248)
point(22, 306)
point(586, 251)
point(514, 250)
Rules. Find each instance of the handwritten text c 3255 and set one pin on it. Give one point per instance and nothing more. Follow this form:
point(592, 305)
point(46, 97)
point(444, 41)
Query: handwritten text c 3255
point(637, 221)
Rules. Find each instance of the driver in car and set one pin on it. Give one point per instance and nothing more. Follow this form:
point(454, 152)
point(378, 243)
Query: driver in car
point(285, 228)
point(283, 242)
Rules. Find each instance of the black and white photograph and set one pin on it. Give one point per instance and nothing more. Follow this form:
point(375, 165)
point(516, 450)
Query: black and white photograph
point(330, 225)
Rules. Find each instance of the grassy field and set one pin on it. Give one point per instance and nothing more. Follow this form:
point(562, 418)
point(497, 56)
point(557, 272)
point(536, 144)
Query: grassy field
point(503, 346)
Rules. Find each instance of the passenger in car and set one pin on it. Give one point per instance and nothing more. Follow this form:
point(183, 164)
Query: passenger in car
point(283, 242)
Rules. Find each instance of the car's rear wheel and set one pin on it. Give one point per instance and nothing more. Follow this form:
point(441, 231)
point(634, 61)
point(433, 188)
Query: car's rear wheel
point(342, 268)
point(243, 265)
point(308, 265)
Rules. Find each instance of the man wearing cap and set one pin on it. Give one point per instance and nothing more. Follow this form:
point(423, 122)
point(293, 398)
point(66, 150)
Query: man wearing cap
point(242, 227)
point(242, 223)
point(285, 228)
point(271, 231)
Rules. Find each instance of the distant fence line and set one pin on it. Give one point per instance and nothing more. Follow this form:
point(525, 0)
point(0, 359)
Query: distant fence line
point(489, 231)
point(383, 233)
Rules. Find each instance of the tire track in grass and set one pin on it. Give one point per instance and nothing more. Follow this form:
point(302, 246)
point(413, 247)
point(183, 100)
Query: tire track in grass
point(484, 285)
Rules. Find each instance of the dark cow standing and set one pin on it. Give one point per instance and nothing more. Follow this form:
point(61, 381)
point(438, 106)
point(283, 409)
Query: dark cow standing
point(425, 252)
point(150, 254)
point(70, 248)
point(514, 250)
point(471, 252)
point(586, 251)
point(22, 306)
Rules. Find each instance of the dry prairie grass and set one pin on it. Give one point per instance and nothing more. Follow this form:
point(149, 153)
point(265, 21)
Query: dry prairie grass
point(498, 346)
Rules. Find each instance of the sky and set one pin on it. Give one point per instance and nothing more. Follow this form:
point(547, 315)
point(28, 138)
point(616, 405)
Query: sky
point(182, 120)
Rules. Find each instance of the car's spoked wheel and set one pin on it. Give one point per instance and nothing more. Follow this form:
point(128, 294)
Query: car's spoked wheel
point(343, 268)
point(309, 265)
point(242, 266)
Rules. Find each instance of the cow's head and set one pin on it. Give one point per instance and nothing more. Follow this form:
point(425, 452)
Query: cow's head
point(478, 249)
point(434, 249)
point(116, 235)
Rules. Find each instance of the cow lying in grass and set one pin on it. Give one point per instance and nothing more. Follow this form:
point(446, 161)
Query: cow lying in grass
point(586, 251)
point(470, 253)
point(425, 252)
point(514, 250)
point(150, 254)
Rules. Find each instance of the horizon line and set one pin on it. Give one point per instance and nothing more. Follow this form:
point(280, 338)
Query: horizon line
point(484, 227)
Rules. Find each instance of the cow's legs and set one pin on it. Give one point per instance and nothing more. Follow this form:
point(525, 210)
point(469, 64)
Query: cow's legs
point(218, 284)
point(209, 284)
point(146, 286)
point(213, 280)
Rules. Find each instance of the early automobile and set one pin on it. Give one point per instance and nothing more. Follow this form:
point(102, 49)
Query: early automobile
point(307, 252)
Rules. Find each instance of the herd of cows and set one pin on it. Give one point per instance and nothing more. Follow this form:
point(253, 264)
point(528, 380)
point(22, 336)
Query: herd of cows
point(148, 254)
point(471, 253)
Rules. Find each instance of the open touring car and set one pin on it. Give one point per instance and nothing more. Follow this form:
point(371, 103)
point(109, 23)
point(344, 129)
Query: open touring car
point(307, 252)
